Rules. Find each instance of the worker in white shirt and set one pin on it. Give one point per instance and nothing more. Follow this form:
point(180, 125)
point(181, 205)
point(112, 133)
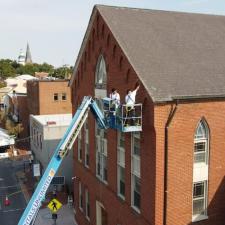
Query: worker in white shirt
point(130, 102)
point(131, 96)
point(114, 95)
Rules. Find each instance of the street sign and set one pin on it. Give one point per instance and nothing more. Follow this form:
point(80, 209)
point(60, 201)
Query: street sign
point(54, 205)
point(36, 170)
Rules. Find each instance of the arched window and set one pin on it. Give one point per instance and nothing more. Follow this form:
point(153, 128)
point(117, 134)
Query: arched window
point(201, 142)
point(108, 40)
point(100, 73)
point(114, 51)
point(103, 31)
point(93, 40)
point(121, 62)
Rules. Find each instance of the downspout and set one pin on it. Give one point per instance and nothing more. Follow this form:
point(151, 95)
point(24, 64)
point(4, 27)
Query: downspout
point(170, 117)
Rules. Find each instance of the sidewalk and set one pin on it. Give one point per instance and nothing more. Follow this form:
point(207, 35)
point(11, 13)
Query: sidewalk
point(65, 214)
point(65, 217)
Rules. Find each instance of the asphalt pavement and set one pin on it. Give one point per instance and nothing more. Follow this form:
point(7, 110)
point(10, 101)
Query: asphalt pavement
point(65, 216)
point(9, 186)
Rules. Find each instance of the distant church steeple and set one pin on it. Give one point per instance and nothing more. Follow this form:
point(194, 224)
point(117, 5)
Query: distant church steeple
point(25, 59)
point(28, 58)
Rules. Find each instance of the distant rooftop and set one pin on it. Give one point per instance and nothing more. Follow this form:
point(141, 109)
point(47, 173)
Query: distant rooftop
point(54, 120)
point(5, 139)
point(50, 79)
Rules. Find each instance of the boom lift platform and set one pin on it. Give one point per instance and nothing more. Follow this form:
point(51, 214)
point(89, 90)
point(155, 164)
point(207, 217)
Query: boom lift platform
point(123, 117)
point(107, 119)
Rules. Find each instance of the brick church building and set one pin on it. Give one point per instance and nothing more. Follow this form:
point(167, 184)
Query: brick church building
point(172, 172)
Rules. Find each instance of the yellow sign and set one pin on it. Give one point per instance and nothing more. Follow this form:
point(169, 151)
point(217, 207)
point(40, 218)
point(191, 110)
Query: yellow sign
point(54, 205)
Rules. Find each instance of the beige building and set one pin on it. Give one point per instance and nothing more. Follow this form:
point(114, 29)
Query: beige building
point(48, 97)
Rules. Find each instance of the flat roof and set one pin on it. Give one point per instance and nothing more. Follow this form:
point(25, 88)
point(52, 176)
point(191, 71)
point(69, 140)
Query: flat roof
point(54, 120)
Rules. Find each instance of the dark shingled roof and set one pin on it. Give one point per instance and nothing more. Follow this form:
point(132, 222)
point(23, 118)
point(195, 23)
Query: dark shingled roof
point(175, 55)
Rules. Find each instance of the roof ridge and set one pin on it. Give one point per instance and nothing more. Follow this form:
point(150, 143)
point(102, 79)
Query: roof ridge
point(98, 6)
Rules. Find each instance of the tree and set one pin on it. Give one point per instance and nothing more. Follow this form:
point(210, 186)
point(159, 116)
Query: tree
point(63, 72)
point(9, 68)
point(2, 84)
point(13, 128)
point(6, 69)
point(45, 67)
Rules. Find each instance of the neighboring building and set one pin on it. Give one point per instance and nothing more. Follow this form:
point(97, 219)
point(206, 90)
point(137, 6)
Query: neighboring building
point(48, 97)
point(171, 173)
point(3, 93)
point(46, 132)
point(15, 102)
point(41, 75)
point(5, 139)
point(6, 143)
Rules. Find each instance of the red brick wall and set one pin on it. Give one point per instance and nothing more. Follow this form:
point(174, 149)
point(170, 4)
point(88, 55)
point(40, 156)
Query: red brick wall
point(121, 75)
point(23, 115)
point(180, 150)
point(180, 161)
point(33, 97)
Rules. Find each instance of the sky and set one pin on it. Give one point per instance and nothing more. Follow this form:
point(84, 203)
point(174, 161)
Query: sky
point(55, 29)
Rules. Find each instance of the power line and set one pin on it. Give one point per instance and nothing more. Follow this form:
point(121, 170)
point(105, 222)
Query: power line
point(26, 138)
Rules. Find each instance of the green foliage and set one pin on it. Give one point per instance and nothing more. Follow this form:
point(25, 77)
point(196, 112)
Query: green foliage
point(2, 84)
point(6, 69)
point(13, 128)
point(9, 68)
point(45, 67)
point(63, 72)
point(32, 68)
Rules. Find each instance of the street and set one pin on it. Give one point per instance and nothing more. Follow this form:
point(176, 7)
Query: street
point(9, 186)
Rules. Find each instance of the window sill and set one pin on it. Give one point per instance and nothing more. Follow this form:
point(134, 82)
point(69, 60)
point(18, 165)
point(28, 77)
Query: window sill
point(100, 86)
point(81, 209)
point(197, 218)
point(101, 180)
point(121, 197)
point(137, 210)
point(200, 164)
point(87, 166)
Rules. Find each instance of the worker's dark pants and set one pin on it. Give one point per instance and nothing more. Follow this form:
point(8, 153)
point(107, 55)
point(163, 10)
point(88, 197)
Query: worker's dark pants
point(130, 114)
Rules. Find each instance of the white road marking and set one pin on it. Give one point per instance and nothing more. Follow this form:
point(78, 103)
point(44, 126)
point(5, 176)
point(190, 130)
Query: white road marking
point(12, 210)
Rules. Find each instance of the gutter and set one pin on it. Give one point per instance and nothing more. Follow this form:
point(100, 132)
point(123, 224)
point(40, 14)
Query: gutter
point(170, 117)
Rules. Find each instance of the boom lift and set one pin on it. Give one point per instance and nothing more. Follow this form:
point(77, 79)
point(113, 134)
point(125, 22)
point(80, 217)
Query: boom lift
point(104, 120)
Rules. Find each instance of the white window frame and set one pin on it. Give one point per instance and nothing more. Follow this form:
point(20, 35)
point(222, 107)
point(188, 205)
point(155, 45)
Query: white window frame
point(120, 164)
point(79, 146)
point(100, 73)
point(101, 153)
point(81, 201)
point(87, 146)
point(87, 203)
point(200, 216)
point(56, 95)
point(205, 140)
point(135, 169)
point(64, 95)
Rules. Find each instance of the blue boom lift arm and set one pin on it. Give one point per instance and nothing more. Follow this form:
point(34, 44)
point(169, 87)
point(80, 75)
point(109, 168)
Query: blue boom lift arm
point(62, 149)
